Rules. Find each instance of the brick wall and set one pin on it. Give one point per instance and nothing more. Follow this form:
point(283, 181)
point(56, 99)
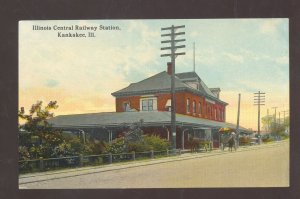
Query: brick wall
point(208, 109)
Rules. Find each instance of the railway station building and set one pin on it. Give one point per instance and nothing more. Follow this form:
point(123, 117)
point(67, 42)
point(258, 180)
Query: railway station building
point(199, 111)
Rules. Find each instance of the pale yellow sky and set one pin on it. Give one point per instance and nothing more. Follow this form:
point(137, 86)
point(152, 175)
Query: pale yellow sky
point(239, 56)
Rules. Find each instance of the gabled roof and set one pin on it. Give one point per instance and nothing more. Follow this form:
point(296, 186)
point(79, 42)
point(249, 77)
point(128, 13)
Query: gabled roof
point(161, 83)
point(158, 82)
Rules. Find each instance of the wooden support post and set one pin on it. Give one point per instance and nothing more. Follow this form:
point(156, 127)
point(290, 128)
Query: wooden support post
point(110, 158)
point(41, 164)
point(152, 154)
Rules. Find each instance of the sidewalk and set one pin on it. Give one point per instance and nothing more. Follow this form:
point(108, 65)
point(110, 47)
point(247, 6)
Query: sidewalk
point(68, 173)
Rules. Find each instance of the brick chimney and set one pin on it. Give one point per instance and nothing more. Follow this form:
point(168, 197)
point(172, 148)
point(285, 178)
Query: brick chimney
point(169, 68)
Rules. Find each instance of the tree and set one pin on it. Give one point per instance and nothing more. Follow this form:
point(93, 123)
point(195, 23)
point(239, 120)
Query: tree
point(37, 126)
point(267, 121)
point(36, 120)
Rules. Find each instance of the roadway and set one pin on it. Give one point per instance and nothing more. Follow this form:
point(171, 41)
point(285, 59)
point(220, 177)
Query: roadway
point(257, 166)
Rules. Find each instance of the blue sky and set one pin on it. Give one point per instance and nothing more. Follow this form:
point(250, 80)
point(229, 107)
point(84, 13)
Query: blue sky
point(237, 55)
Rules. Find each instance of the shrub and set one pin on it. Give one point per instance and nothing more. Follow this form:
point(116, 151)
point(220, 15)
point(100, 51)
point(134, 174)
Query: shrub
point(117, 146)
point(156, 143)
point(267, 139)
point(138, 147)
point(244, 140)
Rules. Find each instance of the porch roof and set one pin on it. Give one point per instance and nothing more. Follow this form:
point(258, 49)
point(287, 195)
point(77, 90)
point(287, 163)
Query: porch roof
point(119, 119)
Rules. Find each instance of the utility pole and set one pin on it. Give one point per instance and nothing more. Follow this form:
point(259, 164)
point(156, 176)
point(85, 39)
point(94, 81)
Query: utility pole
point(173, 56)
point(238, 120)
point(268, 120)
point(275, 122)
point(259, 100)
point(279, 118)
point(284, 115)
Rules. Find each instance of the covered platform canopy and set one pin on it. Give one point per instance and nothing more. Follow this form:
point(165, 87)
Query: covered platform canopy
point(107, 126)
point(117, 119)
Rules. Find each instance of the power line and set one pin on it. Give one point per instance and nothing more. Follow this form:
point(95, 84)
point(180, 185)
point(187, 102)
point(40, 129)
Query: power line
point(259, 100)
point(173, 56)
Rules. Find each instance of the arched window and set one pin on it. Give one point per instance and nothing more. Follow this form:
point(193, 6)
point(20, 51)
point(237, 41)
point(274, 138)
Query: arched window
point(200, 108)
point(188, 105)
point(194, 106)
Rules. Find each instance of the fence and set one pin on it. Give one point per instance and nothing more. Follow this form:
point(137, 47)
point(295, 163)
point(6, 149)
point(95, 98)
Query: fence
point(37, 165)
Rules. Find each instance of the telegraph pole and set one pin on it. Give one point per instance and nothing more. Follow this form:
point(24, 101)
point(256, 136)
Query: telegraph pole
point(275, 122)
point(173, 56)
point(259, 100)
point(284, 115)
point(268, 120)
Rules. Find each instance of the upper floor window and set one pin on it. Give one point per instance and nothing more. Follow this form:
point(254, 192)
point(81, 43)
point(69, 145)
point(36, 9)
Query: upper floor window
point(188, 105)
point(207, 110)
point(200, 108)
point(194, 106)
point(215, 114)
point(148, 104)
point(126, 106)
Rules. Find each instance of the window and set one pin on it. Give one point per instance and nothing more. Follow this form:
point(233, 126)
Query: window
point(188, 105)
point(194, 106)
point(200, 108)
point(207, 110)
point(126, 106)
point(223, 115)
point(148, 104)
point(215, 114)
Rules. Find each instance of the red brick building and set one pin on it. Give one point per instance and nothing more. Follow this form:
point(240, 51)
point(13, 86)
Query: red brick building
point(193, 97)
point(199, 111)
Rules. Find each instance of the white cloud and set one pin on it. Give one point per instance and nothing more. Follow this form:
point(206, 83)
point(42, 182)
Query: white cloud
point(270, 26)
point(89, 70)
point(235, 57)
point(195, 34)
point(282, 60)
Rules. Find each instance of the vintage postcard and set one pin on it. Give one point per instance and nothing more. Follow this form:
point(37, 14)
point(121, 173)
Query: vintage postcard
point(185, 103)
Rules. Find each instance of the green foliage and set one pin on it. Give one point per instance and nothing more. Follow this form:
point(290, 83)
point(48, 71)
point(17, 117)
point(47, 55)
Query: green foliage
point(156, 143)
point(267, 139)
point(135, 134)
point(138, 147)
point(36, 120)
point(23, 153)
point(97, 147)
point(117, 146)
point(149, 142)
point(244, 140)
point(41, 140)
